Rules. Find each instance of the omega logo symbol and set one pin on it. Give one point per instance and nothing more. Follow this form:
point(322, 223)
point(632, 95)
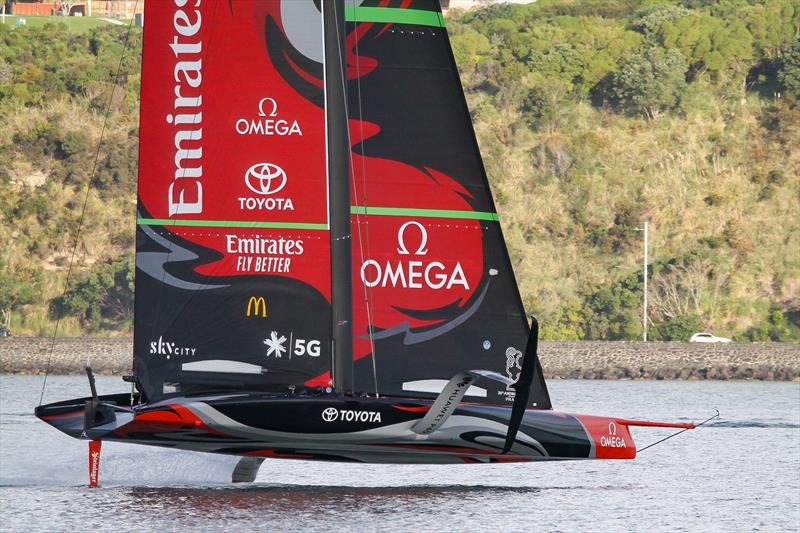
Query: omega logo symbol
point(421, 250)
point(274, 106)
point(612, 440)
point(330, 414)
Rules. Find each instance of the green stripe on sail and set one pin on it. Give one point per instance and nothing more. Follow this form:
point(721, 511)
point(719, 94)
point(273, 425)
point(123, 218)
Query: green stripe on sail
point(428, 213)
point(355, 210)
point(393, 15)
point(229, 224)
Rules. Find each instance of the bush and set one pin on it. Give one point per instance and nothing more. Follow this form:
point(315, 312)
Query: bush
point(649, 20)
point(18, 287)
point(789, 74)
point(650, 82)
point(74, 142)
point(103, 298)
point(779, 326)
point(614, 313)
point(680, 328)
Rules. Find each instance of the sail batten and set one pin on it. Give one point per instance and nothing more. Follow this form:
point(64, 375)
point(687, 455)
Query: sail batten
point(390, 15)
point(425, 213)
point(229, 223)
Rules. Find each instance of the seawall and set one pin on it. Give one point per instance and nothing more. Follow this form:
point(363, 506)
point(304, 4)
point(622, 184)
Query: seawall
point(560, 359)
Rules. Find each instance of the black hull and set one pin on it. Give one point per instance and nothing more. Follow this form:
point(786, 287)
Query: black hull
point(339, 428)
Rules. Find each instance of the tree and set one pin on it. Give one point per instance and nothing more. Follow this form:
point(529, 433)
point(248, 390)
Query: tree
point(680, 328)
point(650, 82)
point(105, 295)
point(613, 313)
point(649, 20)
point(468, 48)
point(65, 6)
point(679, 286)
point(17, 288)
point(789, 75)
point(560, 61)
point(542, 104)
point(774, 25)
point(685, 291)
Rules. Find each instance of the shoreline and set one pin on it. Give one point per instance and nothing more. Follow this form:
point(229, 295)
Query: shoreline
point(560, 359)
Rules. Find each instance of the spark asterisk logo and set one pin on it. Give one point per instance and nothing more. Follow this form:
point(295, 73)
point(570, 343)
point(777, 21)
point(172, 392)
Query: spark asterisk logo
point(275, 344)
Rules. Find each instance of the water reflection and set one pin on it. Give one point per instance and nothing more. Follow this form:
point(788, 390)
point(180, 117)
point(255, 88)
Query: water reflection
point(282, 499)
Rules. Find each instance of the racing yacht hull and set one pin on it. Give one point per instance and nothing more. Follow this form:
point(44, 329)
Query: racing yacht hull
point(338, 428)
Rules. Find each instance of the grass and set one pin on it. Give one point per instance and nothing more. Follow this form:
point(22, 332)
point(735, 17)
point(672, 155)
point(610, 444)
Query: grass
point(76, 24)
point(718, 177)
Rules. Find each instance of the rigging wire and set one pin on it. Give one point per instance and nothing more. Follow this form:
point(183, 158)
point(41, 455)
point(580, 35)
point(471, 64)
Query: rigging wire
point(368, 301)
point(716, 415)
point(367, 291)
point(86, 196)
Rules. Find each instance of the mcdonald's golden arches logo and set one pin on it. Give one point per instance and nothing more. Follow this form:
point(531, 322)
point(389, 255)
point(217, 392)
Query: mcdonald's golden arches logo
point(257, 306)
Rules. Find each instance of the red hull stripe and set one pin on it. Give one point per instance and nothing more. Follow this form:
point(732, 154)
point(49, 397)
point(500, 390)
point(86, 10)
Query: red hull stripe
point(612, 439)
point(73, 414)
point(413, 409)
point(278, 455)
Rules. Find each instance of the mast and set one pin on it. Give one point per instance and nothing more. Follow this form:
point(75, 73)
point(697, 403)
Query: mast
point(337, 137)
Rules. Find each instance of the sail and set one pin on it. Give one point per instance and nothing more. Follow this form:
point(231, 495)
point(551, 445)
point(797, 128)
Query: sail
point(233, 247)
point(434, 292)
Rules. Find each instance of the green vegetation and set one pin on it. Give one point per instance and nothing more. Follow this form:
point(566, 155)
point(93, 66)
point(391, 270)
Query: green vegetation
point(593, 117)
point(103, 300)
point(54, 88)
point(72, 24)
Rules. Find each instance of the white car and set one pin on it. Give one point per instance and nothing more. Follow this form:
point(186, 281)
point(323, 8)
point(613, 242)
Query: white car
point(707, 337)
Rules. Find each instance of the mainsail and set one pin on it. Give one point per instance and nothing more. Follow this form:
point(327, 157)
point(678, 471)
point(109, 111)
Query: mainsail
point(236, 205)
point(233, 251)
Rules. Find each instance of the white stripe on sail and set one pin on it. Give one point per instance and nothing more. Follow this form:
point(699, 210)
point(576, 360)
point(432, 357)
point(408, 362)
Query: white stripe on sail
point(222, 366)
point(435, 386)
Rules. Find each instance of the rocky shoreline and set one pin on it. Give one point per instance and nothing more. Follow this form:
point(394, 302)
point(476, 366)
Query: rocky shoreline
point(560, 359)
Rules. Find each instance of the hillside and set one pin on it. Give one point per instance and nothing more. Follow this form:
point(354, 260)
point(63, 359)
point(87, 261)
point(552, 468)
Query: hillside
point(592, 117)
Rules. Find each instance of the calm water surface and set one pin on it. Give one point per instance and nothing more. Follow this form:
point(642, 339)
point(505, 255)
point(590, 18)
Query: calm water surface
point(739, 474)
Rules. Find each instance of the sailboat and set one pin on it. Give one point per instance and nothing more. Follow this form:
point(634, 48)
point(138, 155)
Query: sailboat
point(320, 268)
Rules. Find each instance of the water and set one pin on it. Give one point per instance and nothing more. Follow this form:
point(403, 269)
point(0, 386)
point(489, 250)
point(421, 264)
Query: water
point(739, 474)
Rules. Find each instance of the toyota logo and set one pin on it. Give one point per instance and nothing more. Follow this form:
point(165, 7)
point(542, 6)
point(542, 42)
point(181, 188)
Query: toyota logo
point(330, 414)
point(265, 178)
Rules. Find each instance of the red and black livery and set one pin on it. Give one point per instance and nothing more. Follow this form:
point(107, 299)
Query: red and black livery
point(321, 271)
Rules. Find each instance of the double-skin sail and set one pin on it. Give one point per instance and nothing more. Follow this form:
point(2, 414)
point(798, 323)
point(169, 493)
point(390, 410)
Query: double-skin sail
point(234, 243)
